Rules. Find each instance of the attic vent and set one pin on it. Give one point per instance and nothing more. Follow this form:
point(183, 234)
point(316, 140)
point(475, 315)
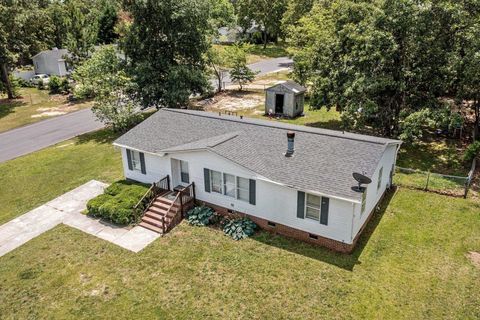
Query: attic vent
point(290, 144)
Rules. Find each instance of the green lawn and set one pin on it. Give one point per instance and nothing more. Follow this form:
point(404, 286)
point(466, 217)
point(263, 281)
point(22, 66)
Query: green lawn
point(34, 105)
point(410, 264)
point(34, 179)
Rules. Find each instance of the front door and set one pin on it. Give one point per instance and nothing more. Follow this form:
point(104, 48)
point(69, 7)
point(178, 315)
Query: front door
point(279, 99)
point(184, 173)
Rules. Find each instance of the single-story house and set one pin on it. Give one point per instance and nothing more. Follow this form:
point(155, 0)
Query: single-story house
point(285, 99)
point(293, 180)
point(51, 62)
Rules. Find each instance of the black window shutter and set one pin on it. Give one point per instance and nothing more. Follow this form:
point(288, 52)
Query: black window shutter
point(301, 204)
point(252, 190)
point(129, 160)
point(324, 212)
point(142, 163)
point(206, 179)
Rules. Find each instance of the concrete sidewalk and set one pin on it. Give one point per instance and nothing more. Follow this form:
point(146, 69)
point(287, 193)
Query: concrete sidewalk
point(67, 209)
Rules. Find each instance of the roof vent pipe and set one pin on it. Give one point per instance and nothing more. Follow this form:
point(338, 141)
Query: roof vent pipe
point(290, 144)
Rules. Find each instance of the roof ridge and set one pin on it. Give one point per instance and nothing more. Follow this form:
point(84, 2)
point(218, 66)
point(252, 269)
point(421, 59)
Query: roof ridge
point(285, 126)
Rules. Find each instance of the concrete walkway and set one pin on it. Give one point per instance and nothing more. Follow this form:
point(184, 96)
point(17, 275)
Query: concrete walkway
point(68, 209)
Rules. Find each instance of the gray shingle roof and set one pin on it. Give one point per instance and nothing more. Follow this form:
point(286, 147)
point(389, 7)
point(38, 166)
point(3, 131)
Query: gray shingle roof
point(324, 160)
point(290, 85)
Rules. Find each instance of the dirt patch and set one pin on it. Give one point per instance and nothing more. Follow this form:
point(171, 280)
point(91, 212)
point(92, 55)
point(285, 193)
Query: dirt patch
point(233, 101)
point(474, 258)
point(55, 111)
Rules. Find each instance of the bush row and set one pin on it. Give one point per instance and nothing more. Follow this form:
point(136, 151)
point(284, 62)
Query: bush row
point(116, 204)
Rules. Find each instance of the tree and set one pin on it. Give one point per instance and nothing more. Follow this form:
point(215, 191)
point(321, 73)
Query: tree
point(265, 13)
point(106, 24)
point(82, 29)
point(217, 60)
point(166, 46)
point(25, 29)
point(467, 59)
point(236, 58)
point(101, 74)
point(376, 61)
point(103, 77)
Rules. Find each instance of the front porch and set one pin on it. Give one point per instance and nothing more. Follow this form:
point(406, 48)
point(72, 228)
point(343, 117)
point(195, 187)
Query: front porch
point(166, 206)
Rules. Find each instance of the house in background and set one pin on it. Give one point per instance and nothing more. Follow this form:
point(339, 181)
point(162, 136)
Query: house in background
point(292, 180)
point(285, 99)
point(51, 62)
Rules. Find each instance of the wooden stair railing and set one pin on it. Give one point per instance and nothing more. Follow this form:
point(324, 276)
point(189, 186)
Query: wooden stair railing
point(182, 200)
point(152, 193)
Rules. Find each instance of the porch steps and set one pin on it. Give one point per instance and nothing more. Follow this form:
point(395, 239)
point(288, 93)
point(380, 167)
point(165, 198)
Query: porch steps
point(158, 214)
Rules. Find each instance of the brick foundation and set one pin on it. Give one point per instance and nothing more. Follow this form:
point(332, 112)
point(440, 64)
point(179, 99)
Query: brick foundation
point(290, 232)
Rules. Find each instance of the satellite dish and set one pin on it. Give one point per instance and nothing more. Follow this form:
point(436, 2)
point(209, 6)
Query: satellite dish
point(361, 179)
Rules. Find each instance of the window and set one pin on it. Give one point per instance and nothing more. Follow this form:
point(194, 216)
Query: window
point(312, 236)
point(271, 224)
point(229, 185)
point(380, 174)
point(216, 181)
point(184, 176)
point(364, 199)
point(243, 192)
point(136, 163)
point(313, 207)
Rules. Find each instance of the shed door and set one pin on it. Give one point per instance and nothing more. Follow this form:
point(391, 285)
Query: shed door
point(279, 99)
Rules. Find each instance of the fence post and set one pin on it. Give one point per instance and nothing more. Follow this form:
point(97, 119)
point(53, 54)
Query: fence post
point(428, 179)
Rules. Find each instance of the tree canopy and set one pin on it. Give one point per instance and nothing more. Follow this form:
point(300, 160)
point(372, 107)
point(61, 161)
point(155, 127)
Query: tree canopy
point(379, 61)
point(166, 47)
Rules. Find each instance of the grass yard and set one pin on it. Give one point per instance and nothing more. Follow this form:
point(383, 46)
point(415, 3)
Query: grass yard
point(34, 179)
point(411, 264)
point(34, 105)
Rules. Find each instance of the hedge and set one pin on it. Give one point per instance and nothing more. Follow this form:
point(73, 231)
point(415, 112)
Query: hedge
point(116, 204)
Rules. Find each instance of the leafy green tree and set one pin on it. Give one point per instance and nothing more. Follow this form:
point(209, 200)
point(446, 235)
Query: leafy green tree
point(106, 24)
point(378, 60)
point(82, 30)
point(103, 77)
point(25, 29)
point(236, 59)
point(265, 13)
point(217, 61)
point(101, 74)
point(166, 47)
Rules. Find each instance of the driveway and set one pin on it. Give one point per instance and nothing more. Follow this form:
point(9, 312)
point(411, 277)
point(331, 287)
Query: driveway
point(23, 140)
point(67, 209)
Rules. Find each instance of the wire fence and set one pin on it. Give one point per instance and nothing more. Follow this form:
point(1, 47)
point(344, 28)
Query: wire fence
point(435, 182)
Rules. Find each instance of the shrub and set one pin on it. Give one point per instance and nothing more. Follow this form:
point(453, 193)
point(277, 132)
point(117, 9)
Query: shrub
point(64, 86)
point(472, 151)
point(239, 228)
point(116, 204)
point(201, 216)
point(54, 84)
point(40, 85)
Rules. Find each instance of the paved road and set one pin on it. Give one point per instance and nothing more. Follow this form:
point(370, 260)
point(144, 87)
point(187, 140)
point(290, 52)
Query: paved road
point(262, 67)
point(27, 139)
point(23, 140)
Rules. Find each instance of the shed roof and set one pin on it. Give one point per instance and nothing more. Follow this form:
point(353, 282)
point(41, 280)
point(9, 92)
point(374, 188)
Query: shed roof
point(290, 86)
point(323, 162)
